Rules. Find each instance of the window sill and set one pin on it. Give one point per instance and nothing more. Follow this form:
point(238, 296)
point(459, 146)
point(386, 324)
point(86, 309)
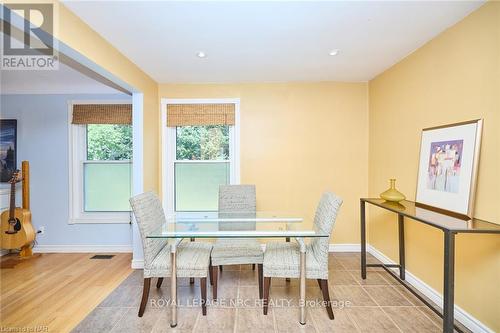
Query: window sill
point(101, 220)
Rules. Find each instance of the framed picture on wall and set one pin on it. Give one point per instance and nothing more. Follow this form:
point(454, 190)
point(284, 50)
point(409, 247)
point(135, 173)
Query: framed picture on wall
point(448, 165)
point(8, 148)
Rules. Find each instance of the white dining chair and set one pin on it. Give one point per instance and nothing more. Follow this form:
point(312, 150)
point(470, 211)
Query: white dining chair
point(282, 260)
point(239, 199)
point(193, 258)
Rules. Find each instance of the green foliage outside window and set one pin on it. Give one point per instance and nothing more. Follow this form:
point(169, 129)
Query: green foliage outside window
point(202, 142)
point(109, 142)
point(114, 142)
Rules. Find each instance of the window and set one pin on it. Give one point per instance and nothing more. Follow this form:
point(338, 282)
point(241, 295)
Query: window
point(201, 165)
point(107, 169)
point(101, 172)
point(199, 158)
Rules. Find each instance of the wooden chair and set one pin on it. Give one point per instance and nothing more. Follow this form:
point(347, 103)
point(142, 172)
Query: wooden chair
point(282, 260)
point(193, 259)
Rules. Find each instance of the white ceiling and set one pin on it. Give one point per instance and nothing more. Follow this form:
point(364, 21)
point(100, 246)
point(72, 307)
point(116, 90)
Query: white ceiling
point(268, 41)
point(65, 80)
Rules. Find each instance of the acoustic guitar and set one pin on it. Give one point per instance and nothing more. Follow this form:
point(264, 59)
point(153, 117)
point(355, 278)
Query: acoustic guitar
point(16, 228)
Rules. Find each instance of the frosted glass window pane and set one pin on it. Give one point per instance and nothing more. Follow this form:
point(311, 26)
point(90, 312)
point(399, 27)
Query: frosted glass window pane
point(107, 187)
point(197, 185)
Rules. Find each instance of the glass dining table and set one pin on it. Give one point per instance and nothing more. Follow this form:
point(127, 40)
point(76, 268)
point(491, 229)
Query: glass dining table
point(236, 225)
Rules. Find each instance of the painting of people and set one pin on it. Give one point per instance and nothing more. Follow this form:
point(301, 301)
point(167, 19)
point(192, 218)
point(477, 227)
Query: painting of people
point(444, 165)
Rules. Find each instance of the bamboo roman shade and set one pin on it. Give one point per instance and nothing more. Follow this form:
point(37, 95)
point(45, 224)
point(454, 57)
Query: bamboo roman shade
point(102, 114)
point(200, 114)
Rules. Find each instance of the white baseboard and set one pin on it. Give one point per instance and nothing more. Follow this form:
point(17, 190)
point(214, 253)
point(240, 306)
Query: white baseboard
point(82, 248)
point(344, 248)
point(137, 263)
point(460, 315)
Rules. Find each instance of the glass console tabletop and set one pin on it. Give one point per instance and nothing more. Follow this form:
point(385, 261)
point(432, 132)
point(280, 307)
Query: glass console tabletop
point(442, 221)
point(235, 225)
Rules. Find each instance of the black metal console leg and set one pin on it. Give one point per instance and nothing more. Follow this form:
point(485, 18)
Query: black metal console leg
point(401, 227)
point(449, 281)
point(363, 238)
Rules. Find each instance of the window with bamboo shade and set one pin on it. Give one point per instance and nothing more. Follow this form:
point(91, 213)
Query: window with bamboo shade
point(203, 150)
point(102, 160)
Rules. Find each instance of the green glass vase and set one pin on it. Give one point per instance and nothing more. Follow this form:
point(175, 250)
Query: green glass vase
point(392, 195)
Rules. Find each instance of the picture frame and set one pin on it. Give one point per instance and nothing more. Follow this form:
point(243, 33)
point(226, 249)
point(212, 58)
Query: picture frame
point(8, 148)
point(448, 167)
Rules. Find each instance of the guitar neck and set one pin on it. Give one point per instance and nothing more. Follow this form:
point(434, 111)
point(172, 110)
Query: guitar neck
point(12, 206)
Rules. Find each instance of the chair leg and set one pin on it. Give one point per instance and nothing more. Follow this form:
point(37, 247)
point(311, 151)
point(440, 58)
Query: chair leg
point(253, 267)
point(145, 295)
point(267, 285)
point(191, 280)
point(220, 268)
point(203, 285)
point(159, 282)
point(288, 241)
point(215, 274)
point(211, 272)
point(260, 277)
point(319, 284)
point(326, 298)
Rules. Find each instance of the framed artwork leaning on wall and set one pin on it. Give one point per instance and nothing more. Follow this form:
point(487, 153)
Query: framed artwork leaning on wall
point(448, 165)
point(8, 148)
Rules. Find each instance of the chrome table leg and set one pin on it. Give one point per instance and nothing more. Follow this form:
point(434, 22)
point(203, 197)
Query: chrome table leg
point(302, 301)
point(173, 282)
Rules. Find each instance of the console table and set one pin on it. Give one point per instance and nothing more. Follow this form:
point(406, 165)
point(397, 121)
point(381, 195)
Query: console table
point(450, 227)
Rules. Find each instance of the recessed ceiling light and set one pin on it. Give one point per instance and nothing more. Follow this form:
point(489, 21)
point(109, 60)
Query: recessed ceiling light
point(333, 52)
point(201, 54)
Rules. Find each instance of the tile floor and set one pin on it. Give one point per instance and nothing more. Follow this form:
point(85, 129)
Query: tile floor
point(376, 304)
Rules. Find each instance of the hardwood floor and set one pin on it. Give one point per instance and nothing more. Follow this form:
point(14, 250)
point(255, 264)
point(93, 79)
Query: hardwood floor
point(56, 291)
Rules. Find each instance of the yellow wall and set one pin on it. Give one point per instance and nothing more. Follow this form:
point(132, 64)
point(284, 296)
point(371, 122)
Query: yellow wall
point(454, 77)
point(79, 36)
point(298, 140)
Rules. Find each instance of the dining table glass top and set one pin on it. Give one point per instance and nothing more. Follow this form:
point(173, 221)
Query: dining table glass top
point(235, 225)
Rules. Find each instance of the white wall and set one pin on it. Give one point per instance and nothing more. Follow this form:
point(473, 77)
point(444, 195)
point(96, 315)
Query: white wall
point(42, 139)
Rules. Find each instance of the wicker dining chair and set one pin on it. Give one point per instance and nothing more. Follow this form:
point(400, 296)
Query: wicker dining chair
point(282, 260)
point(239, 199)
point(193, 258)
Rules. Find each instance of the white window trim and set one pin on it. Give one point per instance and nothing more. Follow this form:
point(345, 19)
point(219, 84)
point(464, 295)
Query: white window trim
point(168, 147)
point(77, 157)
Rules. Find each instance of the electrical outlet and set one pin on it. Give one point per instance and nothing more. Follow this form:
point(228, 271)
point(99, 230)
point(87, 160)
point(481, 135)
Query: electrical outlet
point(41, 230)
